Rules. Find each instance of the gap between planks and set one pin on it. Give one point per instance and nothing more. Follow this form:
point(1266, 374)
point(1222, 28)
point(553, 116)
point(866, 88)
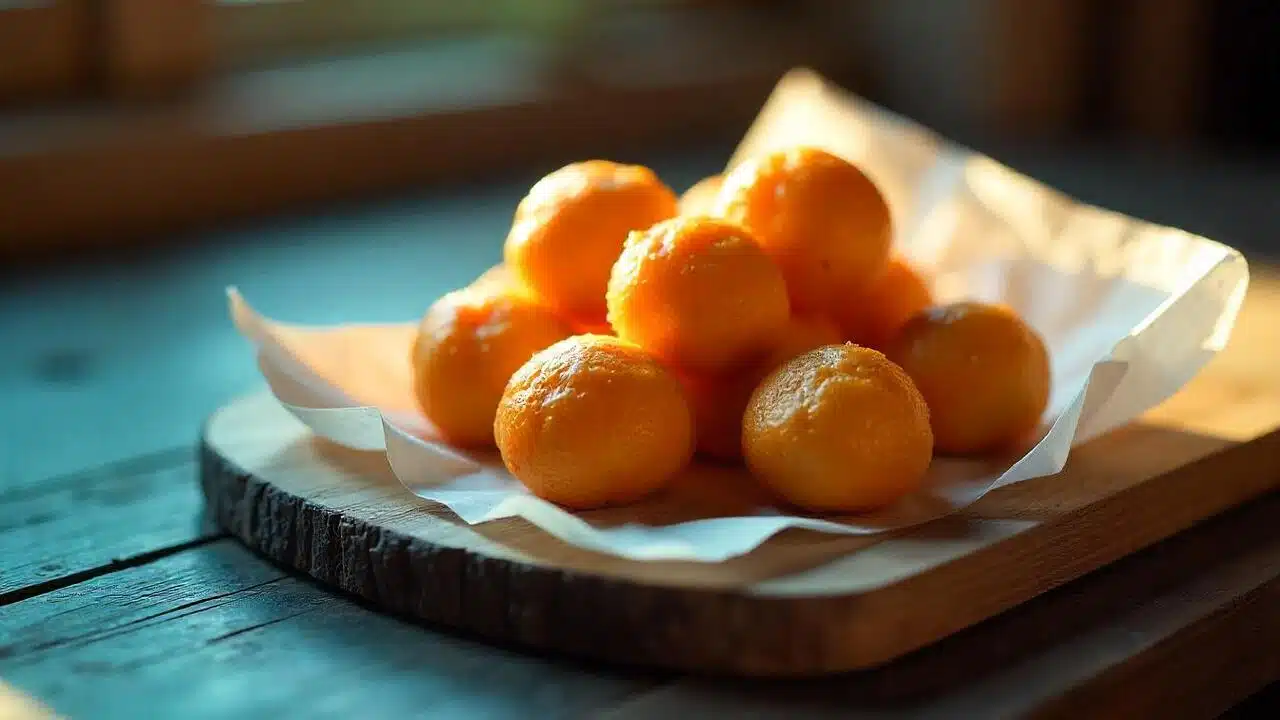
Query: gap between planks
point(68, 529)
point(30, 591)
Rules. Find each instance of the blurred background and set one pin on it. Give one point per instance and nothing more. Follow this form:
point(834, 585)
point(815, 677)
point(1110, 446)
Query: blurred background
point(129, 122)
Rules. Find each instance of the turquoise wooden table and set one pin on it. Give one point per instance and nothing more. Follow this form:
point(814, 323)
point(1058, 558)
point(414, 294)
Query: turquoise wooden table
point(119, 599)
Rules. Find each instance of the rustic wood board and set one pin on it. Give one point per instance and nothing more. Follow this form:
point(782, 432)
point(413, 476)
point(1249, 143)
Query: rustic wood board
point(1183, 629)
point(1180, 630)
point(805, 603)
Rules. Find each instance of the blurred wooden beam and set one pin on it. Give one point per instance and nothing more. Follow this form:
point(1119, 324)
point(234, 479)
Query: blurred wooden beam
point(231, 144)
point(263, 141)
point(1162, 67)
point(154, 48)
point(975, 68)
point(1036, 66)
point(44, 48)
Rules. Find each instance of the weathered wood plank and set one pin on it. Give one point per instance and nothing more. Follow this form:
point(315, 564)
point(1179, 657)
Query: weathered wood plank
point(67, 529)
point(137, 368)
point(215, 632)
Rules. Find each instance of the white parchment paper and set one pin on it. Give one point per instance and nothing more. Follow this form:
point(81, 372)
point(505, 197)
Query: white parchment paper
point(1130, 312)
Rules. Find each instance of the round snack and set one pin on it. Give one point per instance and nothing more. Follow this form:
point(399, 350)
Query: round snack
point(801, 334)
point(872, 317)
point(592, 422)
point(817, 215)
point(569, 230)
point(699, 198)
point(698, 293)
point(468, 345)
point(838, 429)
point(982, 370)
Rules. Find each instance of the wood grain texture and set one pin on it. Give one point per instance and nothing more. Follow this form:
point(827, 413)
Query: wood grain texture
point(64, 529)
point(193, 636)
point(804, 603)
point(216, 633)
point(1181, 630)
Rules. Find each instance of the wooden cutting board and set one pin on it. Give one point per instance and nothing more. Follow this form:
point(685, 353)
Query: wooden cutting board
point(805, 603)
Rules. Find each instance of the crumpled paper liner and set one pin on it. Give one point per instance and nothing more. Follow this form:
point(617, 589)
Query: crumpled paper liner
point(1130, 312)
